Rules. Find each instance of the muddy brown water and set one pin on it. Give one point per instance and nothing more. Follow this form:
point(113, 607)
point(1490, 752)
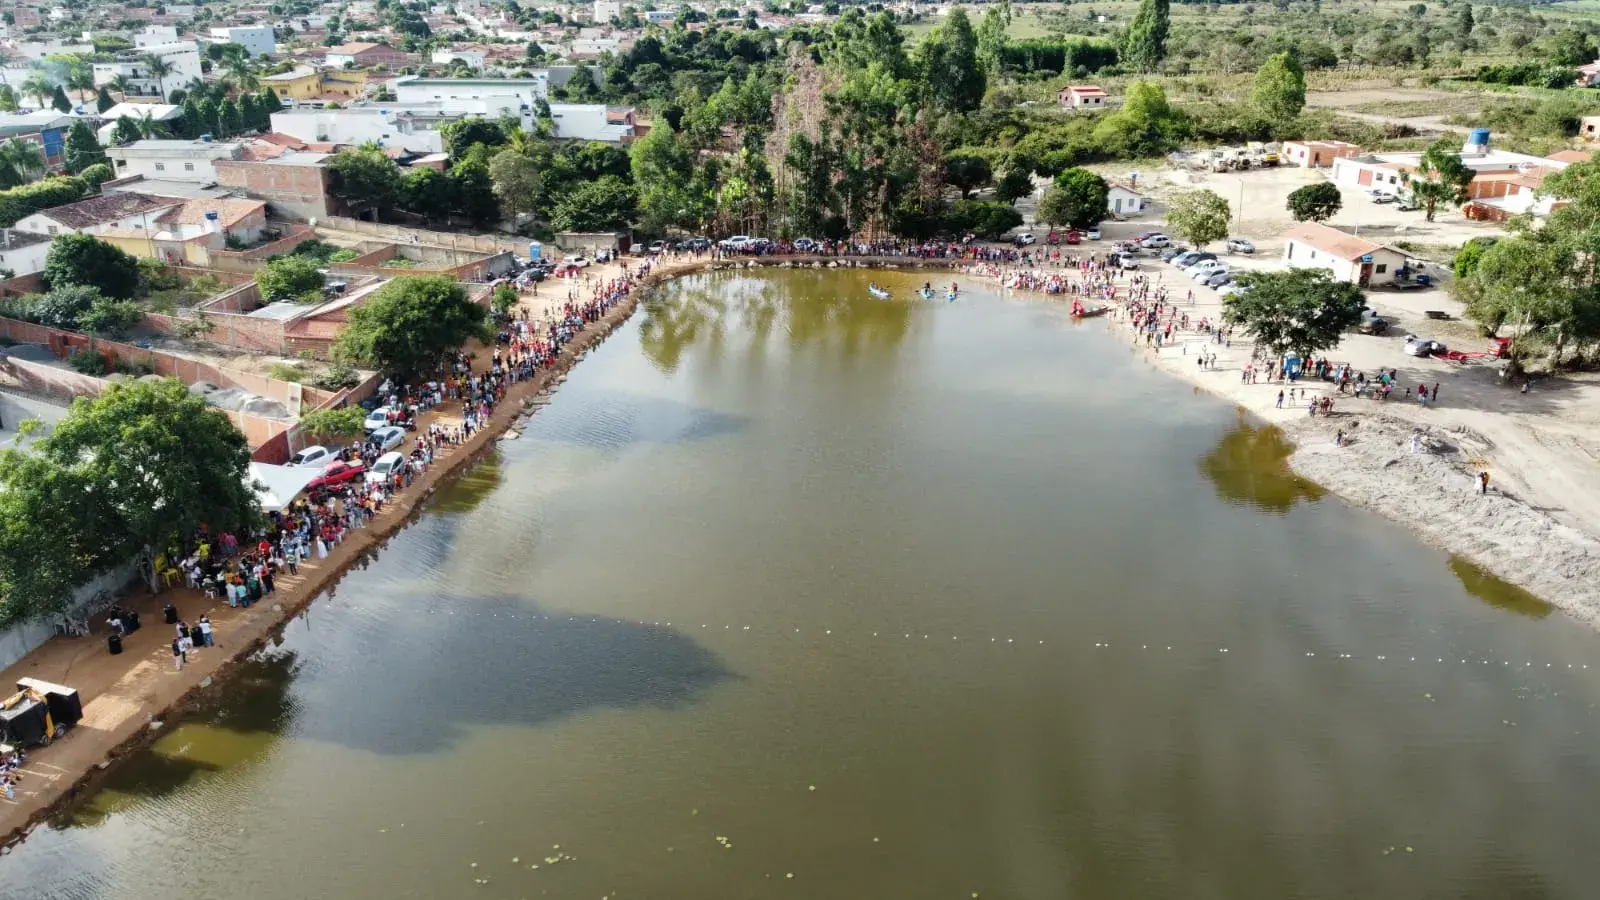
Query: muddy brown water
point(900, 599)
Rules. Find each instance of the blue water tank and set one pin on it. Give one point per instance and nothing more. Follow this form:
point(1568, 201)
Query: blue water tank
point(1479, 136)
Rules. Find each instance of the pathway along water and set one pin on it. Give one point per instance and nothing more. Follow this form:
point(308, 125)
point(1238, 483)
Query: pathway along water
point(898, 599)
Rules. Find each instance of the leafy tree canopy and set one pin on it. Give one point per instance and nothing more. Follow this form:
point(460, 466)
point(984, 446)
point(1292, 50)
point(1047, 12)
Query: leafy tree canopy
point(1198, 217)
point(1315, 202)
point(85, 259)
point(1297, 312)
point(411, 325)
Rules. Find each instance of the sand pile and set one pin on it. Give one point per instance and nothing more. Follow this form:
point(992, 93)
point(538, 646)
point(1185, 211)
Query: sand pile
point(1433, 490)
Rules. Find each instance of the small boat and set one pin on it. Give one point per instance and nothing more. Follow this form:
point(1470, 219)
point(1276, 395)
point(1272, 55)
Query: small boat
point(1079, 312)
point(877, 292)
point(927, 294)
point(950, 296)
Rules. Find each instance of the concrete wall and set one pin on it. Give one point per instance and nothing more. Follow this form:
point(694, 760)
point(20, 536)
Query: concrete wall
point(20, 640)
point(402, 235)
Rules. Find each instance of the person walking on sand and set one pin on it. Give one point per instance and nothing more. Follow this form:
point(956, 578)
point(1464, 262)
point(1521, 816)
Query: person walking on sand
point(177, 653)
point(1280, 399)
point(1483, 482)
point(1436, 393)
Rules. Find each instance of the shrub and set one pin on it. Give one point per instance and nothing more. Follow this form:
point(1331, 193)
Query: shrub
point(89, 362)
point(111, 318)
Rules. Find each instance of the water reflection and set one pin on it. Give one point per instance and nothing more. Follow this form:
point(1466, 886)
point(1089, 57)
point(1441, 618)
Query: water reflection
point(1480, 583)
point(544, 669)
point(238, 724)
point(1250, 466)
point(828, 309)
point(462, 494)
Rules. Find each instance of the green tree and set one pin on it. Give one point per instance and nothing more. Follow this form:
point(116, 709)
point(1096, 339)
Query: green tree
point(364, 179)
point(344, 422)
point(1466, 260)
point(607, 204)
point(293, 278)
point(1297, 312)
point(662, 163)
point(427, 192)
point(102, 99)
point(60, 101)
point(85, 259)
point(52, 537)
point(82, 150)
point(159, 68)
point(8, 98)
point(951, 77)
point(1280, 87)
point(111, 318)
point(1315, 202)
point(20, 162)
point(1014, 185)
point(160, 464)
point(125, 132)
point(61, 307)
point(39, 88)
point(1198, 217)
point(1146, 44)
point(474, 193)
point(1077, 198)
point(411, 325)
point(992, 37)
point(967, 170)
point(1441, 177)
point(461, 135)
point(97, 174)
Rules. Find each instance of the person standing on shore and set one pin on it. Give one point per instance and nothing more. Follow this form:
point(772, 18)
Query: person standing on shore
point(177, 653)
point(1280, 399)
point(1483, 482)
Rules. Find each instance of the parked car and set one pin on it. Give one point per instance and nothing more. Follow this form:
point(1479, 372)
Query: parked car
point(337, 472)
point(1371, 322)
point(385, 467)
point(1092, 234)
point(737, 242)
point(1421, 346)
point(575, 262)
point(656, 247)
point(1125, 260)
point(1202, 275)
point(314, 456)
point(388, 437)
point(1240, 245)
point(1381, 197)
point(698, 243)
point(1173, 252)
point(1024, 240)
point(1216, 278)
point(376, 419)
point(1407, 205)
point(1154, 241)
point(1194, 258)
point(805, 245)
point(1205, 265)
point(1231, 288)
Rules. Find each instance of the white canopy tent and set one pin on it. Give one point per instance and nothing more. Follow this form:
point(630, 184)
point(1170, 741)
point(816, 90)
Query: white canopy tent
point(277, 486)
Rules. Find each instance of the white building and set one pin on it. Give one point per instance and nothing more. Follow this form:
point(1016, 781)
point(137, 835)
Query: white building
point(172, 160)
point(590, 47)
point(97, 215)
point(389, 125)
point(481, 96)
point(1123, 201)
point(183, 57)
point(606, 10)
point(23, 252)
point(593, 122)
point(660, 16)
point(155, 36)
point(257, 40)
point(1354, 260)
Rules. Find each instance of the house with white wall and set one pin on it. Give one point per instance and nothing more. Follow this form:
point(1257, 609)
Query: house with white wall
point(257, 40)
point(183, 57)
point(99, 214)
point(1123, 201)
point(388, 125)
point(155, 36)
point(172, 160)
point(509, 96)
point(1350, 259)
point(23, 252)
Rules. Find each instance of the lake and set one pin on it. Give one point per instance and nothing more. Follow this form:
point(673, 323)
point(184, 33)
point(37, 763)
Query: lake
point(795, 593)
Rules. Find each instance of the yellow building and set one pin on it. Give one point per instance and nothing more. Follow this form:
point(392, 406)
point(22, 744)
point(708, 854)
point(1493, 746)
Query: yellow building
point(306, 83)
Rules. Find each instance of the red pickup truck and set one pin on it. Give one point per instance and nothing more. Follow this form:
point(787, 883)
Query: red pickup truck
point(337, 473)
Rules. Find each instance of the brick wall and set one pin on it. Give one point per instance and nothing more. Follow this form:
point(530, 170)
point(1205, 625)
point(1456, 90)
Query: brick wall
point(295, 191)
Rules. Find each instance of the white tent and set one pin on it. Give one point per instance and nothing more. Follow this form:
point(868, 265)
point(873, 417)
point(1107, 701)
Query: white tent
point(277, 486)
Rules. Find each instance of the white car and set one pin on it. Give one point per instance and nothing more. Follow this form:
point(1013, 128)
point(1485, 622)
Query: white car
point(1201, 276)
point(1231, 288)
point(1421, 346)
point(1155, 241)
point(1092, 234)
point(577, 262)
point(1024, 240)
point(314, 457)
point(385, 467)
point(1381, 197)
point(737, 242)
point(1203, 266)
point(1240, 245)
point(378, 418)
point(1125, 260)
point(388, 437)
